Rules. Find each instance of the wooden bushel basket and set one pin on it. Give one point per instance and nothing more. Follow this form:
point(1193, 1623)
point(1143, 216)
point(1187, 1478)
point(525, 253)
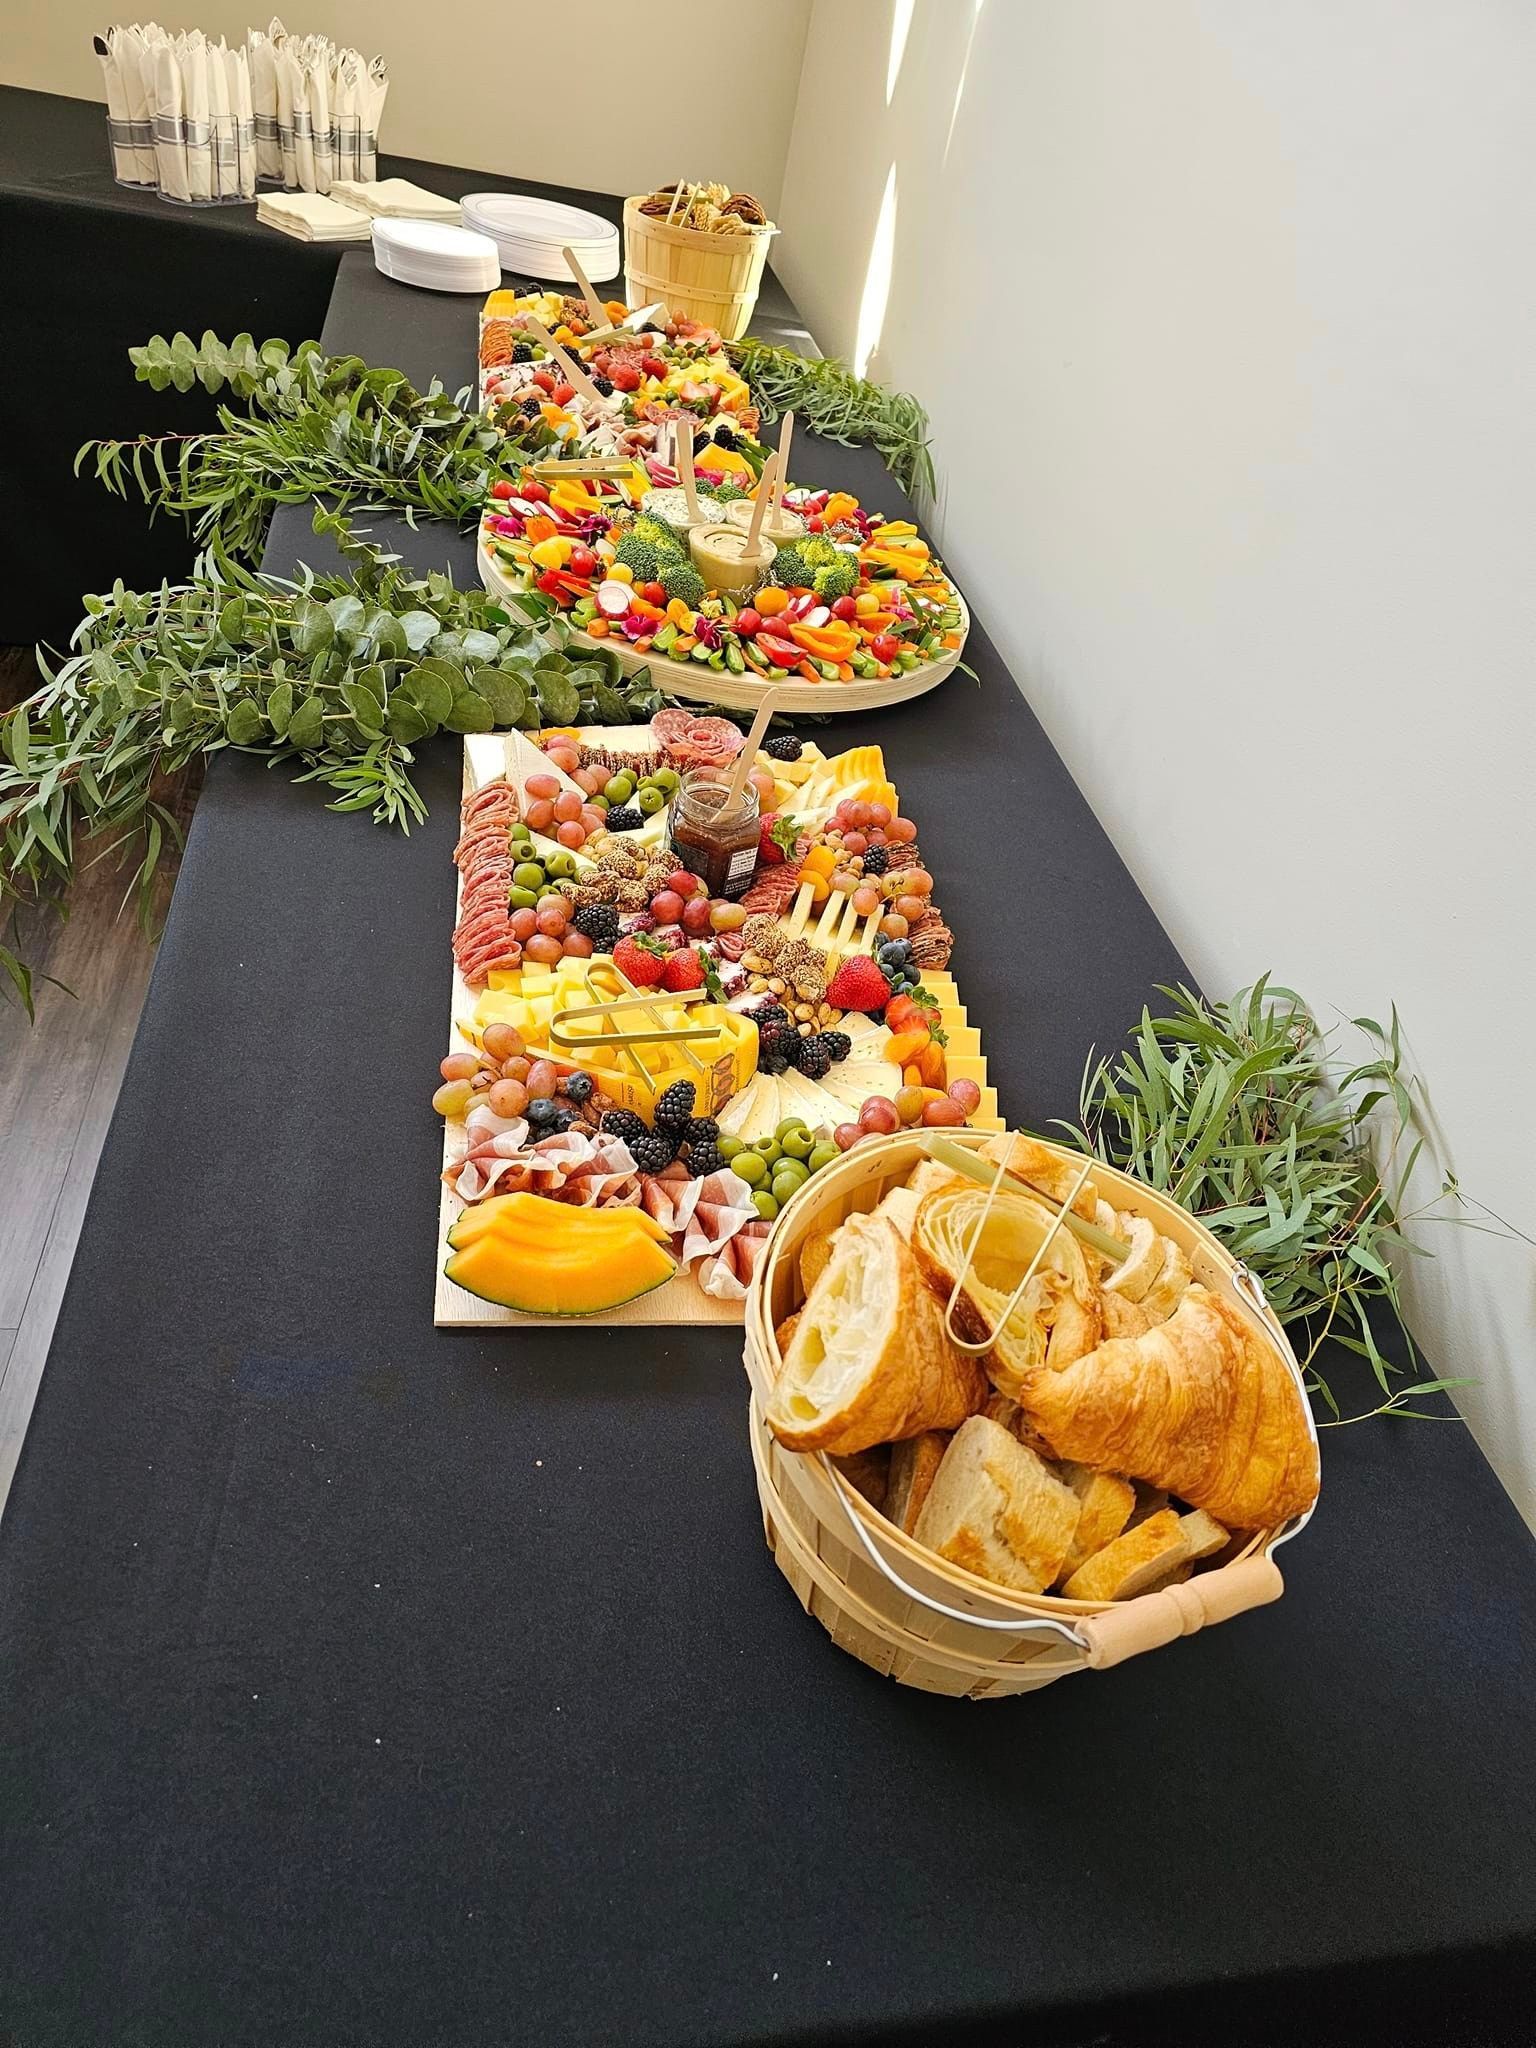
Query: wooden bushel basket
point(904, 1610)
point(713, 278)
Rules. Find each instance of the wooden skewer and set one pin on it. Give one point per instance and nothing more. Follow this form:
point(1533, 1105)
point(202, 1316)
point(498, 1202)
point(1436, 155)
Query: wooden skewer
point(595, 305)
point(766, 485)
point(748, 754)
point(677, 193)
point(572, 371)
point(781, 479)
point(586, 467)
point(684, 429)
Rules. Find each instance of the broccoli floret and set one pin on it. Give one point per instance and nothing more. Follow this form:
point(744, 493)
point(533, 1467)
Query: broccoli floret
point(638, 556)
point(663, 538)
point(728, 493)
point(681, 579)
point(791, 569)
point(818, 550)
point(835, 579)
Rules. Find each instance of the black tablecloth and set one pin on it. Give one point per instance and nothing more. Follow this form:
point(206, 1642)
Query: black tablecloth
point(369, 1683)
point(94, 268)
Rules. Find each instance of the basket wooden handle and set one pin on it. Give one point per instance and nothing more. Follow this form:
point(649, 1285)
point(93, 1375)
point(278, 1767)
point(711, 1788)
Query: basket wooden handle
point(1159, 1618)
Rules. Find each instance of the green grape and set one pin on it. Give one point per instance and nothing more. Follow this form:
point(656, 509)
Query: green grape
point(452, 1099)
point(650, 801)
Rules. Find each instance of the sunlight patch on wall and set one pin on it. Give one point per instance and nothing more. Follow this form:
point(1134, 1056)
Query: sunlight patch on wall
point(965, 65)
point(877, 280)
point(901, 28)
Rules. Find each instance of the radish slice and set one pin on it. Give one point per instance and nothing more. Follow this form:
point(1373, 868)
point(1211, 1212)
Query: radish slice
point(613, 599)
point(819, 617)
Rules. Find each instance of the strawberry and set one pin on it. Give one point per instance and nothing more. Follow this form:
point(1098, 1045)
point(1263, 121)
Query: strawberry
point(859, 985)
point(683, 969)
point(640, 961)
point(776, 836)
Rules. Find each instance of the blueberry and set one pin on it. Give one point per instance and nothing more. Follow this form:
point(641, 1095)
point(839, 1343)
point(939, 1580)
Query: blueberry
point(541, 1110)
point(579, 1087)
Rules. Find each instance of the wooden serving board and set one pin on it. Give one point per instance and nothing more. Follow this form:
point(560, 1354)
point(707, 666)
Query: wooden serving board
point(681, 1301)
point(704, 685)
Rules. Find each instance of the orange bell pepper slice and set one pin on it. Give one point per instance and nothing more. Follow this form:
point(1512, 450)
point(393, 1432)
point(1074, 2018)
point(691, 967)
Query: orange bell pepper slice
point(833, 642)
point(837, 507)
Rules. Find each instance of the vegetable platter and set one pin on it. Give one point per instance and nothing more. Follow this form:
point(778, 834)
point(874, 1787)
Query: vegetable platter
point(641, 1070)
point(654, 520)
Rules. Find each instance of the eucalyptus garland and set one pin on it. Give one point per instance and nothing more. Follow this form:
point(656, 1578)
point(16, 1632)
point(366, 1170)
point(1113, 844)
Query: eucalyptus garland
point(331, 427)
point(340, 676)
point(826, 396)
point(1245, 1113)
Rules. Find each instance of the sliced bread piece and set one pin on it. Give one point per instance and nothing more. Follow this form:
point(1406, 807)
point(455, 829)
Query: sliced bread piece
point(1107, 1501)
point(868, 1472)
point(1134, 1563)
point(815, 1256)
point(997, 1510)
point(914, 1467)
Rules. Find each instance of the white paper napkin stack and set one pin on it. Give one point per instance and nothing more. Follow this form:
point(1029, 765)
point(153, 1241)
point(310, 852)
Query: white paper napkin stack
point(395, 199)
point(311, 217)
point(204, 123)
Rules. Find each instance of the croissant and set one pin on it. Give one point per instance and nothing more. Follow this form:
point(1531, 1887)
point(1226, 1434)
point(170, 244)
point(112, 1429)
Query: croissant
point(1197, 1405)
point(1057, 1319)
point(869, 1362)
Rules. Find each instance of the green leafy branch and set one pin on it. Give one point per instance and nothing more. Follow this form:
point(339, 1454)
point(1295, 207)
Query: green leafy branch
point(340, 676)
point(1244, 1113)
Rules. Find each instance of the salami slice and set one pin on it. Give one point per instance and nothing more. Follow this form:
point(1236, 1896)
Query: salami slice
point(696, 742)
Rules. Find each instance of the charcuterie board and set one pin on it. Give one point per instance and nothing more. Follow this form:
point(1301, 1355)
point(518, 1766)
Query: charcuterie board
point(771, 1100)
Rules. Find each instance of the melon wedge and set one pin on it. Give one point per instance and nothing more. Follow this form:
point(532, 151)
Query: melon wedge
point(569, 1262)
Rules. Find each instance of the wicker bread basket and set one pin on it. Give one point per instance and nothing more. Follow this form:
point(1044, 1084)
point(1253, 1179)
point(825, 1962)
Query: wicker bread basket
point(904, 1610)
point(713, 278)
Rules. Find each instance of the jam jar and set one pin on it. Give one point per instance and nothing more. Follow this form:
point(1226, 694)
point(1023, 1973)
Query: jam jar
point(717, 845)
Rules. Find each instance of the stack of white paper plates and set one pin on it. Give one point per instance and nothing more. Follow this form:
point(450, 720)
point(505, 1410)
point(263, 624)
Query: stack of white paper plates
point(531, 233)
point(436, 257)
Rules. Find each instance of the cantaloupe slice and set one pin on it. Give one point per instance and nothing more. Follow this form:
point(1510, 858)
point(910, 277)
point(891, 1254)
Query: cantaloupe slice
point(572, 1262)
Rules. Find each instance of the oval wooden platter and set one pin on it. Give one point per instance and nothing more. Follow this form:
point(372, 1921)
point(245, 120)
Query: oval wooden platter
point(705, 685)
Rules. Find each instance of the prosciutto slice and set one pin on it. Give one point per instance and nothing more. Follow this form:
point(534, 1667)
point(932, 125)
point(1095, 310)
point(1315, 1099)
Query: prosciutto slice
point(501, 1158)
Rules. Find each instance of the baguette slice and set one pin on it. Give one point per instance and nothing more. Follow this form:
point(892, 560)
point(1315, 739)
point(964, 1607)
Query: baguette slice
point(1039, 1168)
point(1171, 1284)
point(869, 1362)
point(1107, 1502)
point(997, 1510)
point(1134, 1563)
point(914, 1467)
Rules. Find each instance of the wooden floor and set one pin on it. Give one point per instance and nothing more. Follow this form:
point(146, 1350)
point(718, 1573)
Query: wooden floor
point(59, 1080)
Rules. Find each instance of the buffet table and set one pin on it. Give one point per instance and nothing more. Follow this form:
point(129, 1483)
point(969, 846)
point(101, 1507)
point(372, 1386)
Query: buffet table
point(367, 1682)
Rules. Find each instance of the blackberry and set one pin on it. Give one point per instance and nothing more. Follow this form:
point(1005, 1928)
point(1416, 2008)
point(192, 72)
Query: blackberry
point(704, 1159)
point(837, 1043)
point(725, 437)
point(785, 748)
point(578, 1087)
point(623, 1123)
point(777, 1046)
point(624, 818)
point(522, 352)
point(876, 860)
point(674, 1107)
point(657, 1149)
point(702, 1130)
point(813, 1059)
point(603, 385)
point(600, 923)
point(769, 1013)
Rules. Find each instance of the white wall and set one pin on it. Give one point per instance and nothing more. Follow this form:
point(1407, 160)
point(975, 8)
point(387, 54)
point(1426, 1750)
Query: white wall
point(1225, 314)
point(610, 96)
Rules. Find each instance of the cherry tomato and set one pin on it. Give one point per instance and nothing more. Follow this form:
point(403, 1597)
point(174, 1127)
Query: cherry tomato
point(535, 492)
point(653, 593)
point(885, 647)
point(815, 523)
point(501, 488)
point(551, 583)
point(844, 608)
point(582, 562)
point(746, 622)
point(563, 393)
